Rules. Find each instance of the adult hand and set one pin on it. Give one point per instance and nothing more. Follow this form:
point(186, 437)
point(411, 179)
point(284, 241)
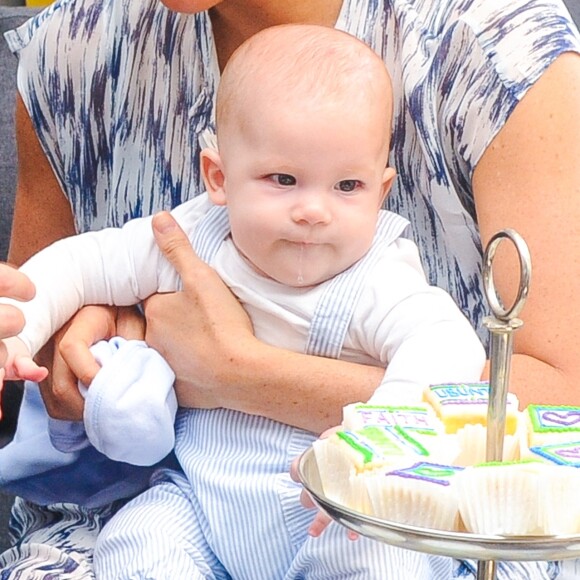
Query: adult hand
point(208, 340)
point(201, 331)
point(72, 360)
point(15, 285)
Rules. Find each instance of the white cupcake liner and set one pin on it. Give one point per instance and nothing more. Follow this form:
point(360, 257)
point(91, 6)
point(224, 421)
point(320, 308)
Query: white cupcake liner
point(501, 499)
point(413, 502)
point(560, 489)
point(472, 442)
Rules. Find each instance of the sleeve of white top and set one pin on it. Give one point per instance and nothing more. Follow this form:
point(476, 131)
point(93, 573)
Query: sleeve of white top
point(115, 266)
point(417, 330)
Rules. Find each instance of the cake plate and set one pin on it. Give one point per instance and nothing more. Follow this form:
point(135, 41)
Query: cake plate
point(487, 550)
point(458, 545)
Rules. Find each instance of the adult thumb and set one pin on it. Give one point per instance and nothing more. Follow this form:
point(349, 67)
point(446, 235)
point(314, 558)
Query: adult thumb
point(173, 242)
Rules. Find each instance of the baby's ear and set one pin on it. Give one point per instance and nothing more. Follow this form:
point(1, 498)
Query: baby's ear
point(389, 175)
point(213, 175)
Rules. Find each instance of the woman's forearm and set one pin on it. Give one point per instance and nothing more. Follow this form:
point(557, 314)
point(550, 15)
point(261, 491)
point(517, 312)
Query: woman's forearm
point(297, 389)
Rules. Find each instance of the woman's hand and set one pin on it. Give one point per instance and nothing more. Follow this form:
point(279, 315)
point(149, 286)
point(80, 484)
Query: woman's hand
point(15, 285)
point(72, 360)
point(199, 330)
point(207, 339)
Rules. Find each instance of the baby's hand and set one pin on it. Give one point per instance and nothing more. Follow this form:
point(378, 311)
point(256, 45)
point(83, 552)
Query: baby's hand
point(19, 365)
point(321, 520)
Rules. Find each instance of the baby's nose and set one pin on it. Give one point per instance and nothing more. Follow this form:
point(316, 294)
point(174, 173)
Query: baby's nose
point(312, 208)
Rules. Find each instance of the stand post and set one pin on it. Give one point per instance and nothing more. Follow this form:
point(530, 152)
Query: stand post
point(486, 570)
point(501, 325)
point(501, 347)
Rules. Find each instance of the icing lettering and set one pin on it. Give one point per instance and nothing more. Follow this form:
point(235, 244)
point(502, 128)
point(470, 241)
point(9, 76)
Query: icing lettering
point(392, 416)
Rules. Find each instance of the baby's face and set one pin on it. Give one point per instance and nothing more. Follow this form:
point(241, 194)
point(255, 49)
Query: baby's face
point(304, 188)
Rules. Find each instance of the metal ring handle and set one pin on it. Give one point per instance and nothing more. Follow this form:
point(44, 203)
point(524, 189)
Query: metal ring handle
point(493, 299)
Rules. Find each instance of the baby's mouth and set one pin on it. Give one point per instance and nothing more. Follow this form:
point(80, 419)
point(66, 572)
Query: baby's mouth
point(304, 243)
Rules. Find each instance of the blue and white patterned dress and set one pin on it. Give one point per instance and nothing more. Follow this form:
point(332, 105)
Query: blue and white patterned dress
point(119, 91)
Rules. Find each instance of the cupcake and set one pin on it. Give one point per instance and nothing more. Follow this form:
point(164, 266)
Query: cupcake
point(551, 424)
point(345, 455)
point(502, 498)
point(421, 495)
point(419, 421)
point(460, 404)
point(472, 445)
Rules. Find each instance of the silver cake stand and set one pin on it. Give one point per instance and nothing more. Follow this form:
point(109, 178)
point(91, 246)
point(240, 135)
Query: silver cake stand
point(484, 549)
point(487, 550)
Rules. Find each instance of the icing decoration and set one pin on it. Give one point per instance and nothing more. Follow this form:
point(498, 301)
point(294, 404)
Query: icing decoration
point(458, 404)
point(374, 442)
point(429, 472)
point(461, 393)
point(415, 418)
point(560, 453)
point(502, 464)
point(550, 418)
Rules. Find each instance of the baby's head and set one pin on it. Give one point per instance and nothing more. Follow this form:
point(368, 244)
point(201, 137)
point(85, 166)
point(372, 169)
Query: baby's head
point(294, 67)
point(303, 129)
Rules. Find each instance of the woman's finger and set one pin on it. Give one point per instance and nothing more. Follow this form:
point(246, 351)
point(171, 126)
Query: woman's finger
point(11, 321)
point(175, 245)
point(15, 284)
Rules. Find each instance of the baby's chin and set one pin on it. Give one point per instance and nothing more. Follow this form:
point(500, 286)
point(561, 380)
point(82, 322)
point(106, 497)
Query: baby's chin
point(298, 274)
point(303, 279)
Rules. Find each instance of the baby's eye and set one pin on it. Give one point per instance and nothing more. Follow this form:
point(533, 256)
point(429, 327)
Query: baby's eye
point(348, 185)
point(283, 179)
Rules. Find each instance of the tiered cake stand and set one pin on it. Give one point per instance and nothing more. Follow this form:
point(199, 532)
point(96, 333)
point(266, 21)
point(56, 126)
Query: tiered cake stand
point(487, 550)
